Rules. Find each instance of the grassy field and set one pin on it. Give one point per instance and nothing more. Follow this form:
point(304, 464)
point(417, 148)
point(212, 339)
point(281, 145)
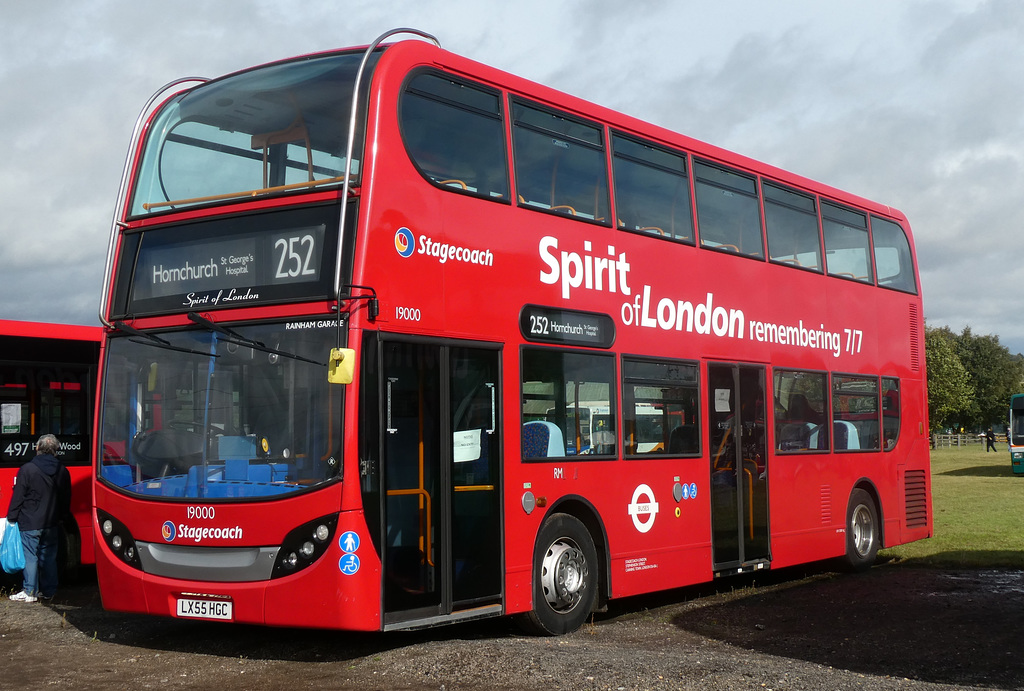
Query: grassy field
point(978, 508)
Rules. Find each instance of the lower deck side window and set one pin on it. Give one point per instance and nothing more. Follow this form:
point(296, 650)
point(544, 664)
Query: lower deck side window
point(855, 413)
point(568, 404)
point(660, 411)
point(801, 411)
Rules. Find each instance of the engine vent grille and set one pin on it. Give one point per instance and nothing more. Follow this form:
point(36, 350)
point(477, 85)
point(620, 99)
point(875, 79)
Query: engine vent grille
point(916, 499)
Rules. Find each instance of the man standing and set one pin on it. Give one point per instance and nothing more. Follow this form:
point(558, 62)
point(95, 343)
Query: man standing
point(41, 499)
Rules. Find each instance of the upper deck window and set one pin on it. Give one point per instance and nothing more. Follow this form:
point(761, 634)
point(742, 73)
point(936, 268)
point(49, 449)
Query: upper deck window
point(560, 163)
point(652, 190)
point(893, 262)
point(791, 219)
point(267, 130)
point(453, 132)
point(728, 213)
point(847, 248)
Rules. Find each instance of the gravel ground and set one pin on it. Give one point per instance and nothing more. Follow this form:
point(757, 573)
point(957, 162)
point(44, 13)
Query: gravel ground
point(892, 627)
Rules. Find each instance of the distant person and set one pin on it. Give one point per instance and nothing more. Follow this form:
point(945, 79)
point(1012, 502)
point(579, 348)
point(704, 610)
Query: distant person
point(990, 441)
point(41, 499)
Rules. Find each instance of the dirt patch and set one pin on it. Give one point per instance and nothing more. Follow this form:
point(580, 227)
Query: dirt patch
point(892, 627)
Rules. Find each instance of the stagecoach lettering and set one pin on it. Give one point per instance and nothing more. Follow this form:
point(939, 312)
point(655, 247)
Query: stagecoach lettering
point(443, 252)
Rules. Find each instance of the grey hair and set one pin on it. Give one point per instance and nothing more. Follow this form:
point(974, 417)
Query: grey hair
point(48, 444)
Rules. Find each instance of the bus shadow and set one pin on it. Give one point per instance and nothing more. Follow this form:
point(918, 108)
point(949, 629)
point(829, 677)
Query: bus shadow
point(946, 627)
point(81, 608)
point(983, 471)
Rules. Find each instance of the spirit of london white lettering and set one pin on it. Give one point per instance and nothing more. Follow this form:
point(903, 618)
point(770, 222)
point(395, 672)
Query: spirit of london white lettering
point(571, 270)
point(586, 271)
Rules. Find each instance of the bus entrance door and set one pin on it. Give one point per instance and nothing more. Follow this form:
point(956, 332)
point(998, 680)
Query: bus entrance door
point(442, 543)
point(738, 460)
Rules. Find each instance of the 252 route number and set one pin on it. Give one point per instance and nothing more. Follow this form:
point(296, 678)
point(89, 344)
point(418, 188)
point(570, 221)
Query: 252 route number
point(539, 325)
point(295, 256)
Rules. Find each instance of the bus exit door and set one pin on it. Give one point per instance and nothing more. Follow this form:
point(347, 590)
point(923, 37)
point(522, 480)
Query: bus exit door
point(440, 463)
point(738, 465)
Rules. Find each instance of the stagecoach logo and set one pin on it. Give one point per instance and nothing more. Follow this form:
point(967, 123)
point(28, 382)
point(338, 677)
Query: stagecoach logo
point(643, 512)
point(168, 531)
point(404, 242)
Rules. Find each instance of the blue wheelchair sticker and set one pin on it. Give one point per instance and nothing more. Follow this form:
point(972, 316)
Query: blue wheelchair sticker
point(349, 564)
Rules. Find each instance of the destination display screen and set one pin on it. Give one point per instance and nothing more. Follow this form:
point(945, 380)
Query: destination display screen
point(235, 262)
point(566, 327)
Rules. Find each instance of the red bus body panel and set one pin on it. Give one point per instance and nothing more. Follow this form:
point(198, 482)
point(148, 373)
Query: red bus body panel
point(808, 493)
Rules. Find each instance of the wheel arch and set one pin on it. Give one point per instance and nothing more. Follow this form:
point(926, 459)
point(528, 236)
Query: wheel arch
point(586, 513)
point(868, 485)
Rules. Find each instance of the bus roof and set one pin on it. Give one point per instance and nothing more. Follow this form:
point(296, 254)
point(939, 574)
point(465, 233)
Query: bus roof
point(68, 332)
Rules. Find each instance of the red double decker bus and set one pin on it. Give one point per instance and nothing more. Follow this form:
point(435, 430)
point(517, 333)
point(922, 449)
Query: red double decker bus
point(48, 386)
point(397, 339)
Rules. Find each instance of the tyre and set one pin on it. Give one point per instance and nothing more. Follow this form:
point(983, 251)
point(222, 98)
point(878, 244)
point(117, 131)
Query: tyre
point(863, 531)
point(69, 550)
point(565, 576)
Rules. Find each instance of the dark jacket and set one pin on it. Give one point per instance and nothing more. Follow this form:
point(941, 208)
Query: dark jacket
point(42, 494)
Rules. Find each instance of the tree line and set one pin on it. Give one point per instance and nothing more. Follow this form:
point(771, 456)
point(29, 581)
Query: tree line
point(970, 379)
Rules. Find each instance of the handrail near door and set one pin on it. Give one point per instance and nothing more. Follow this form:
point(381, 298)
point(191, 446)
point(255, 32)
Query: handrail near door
point(353, 117)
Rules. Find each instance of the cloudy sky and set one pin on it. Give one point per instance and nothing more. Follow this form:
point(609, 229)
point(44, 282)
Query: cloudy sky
point(917, 104)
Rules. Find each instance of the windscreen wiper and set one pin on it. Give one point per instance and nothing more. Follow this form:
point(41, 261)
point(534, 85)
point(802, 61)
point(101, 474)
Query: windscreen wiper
point(232, 336)
point(154, 340)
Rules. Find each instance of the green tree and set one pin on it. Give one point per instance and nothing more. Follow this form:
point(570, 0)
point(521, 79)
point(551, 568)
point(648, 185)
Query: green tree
point(995, 375)
point(950, 394)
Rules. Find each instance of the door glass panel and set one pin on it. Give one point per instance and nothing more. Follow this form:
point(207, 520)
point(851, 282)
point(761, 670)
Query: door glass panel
point(722, 420)
point(739, 472)
point(754, 480)
point(476, 537)
point(412, 401)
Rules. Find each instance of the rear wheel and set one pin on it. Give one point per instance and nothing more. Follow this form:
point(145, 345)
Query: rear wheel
point(863, 532)
point(69, 551)
point(564, 577)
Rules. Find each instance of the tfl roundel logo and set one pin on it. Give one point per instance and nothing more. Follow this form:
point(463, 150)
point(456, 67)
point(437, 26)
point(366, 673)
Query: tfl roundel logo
point(404, 243)
point(168, 531)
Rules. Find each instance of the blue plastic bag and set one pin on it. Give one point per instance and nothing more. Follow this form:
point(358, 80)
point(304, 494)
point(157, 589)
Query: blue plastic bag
point(12, 557)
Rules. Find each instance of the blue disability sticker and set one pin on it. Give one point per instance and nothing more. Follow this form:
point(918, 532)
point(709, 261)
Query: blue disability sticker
point(349, 564)
point(349, 541)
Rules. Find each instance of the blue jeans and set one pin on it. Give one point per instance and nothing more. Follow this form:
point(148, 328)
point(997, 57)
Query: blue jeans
point(40, 574)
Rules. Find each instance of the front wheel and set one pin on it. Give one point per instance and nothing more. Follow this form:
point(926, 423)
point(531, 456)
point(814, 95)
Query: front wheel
point(564, 577)
point(863, 532)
